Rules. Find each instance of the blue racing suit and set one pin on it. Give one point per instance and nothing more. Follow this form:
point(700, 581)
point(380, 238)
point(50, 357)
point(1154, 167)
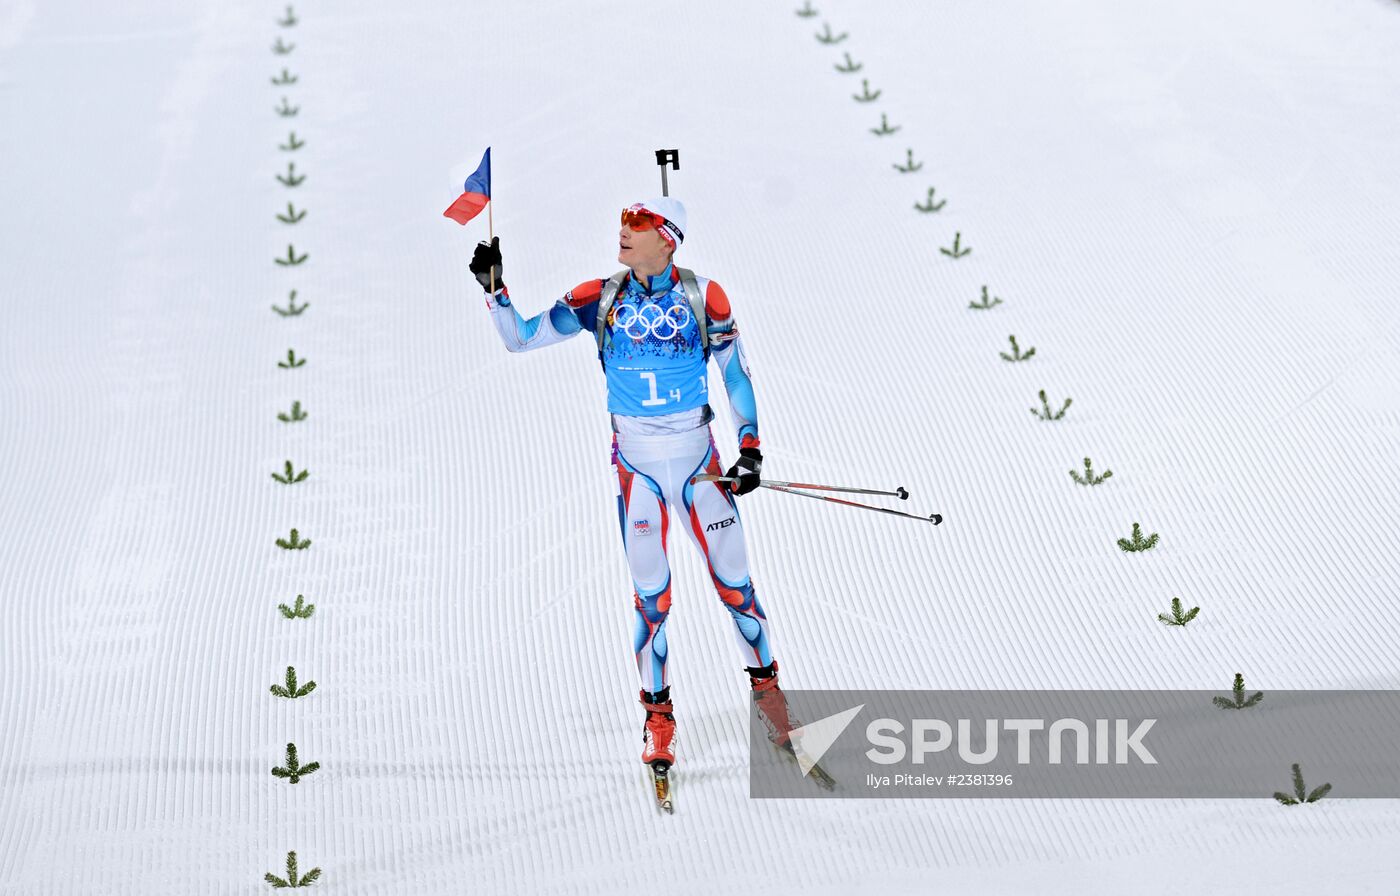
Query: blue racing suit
point(659, 400)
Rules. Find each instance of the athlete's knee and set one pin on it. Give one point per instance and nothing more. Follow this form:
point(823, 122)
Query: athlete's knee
point(738, 598)
point(653, 606)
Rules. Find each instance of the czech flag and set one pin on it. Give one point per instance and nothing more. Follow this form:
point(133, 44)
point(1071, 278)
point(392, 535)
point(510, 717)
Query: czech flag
point(476, 192)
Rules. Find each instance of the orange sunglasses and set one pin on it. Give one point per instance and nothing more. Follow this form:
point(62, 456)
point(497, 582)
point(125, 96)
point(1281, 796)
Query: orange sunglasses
point(641, 220)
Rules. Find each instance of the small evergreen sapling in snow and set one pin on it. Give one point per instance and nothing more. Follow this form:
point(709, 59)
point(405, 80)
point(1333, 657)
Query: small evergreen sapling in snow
point(884, 129)
point(290, 690)
point(807, 11)
point(1047, 414)
point(285, 78)
point(294, 543)
point(928, 205)
point(292, 144)
point(291, 475)
point(1300, 792)
point(957, 251)
point(292, 309)
point(985, 303)
point(1089, 478)
point(1239, 701)
point(292, 216)
point(292, 880)
point(849, 66)
point(865, 96)
point(1016, 352)
point(909, 163)
point(292, 258)
point(302, 610)
point(295, 415)
point(293, 771)
point(291, 178)
point(287, 110)
point(1138, 543)
point(1178, 617)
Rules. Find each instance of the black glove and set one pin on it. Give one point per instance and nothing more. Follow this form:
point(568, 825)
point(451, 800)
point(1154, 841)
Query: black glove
point(746, 470)
point(486, 263)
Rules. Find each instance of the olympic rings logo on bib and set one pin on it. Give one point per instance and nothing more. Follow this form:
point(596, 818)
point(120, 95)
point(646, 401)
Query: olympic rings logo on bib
point(648, 319)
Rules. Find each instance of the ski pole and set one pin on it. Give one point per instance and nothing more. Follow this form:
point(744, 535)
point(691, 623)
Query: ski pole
point(934, 518)
point(899, 492)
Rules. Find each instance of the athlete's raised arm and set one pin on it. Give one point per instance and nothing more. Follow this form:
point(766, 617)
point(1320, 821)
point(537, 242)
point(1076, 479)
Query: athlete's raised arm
point(578, 310)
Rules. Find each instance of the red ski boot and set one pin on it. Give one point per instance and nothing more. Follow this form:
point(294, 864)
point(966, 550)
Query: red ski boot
point(659, 729)
point(778, 719)
point(772, 705)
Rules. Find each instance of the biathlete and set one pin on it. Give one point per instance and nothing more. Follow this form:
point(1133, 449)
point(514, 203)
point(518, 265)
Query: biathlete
point(656, 326)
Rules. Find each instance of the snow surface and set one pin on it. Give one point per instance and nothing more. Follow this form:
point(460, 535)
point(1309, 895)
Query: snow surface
point(1188, 209)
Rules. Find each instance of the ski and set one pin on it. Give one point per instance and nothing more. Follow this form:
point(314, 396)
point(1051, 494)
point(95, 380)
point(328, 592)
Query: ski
point(661, 786)
point(822, 777)
point(816, 773)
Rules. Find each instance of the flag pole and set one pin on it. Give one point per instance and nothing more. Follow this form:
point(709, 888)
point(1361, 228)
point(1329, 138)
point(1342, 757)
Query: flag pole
point(491, 238)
